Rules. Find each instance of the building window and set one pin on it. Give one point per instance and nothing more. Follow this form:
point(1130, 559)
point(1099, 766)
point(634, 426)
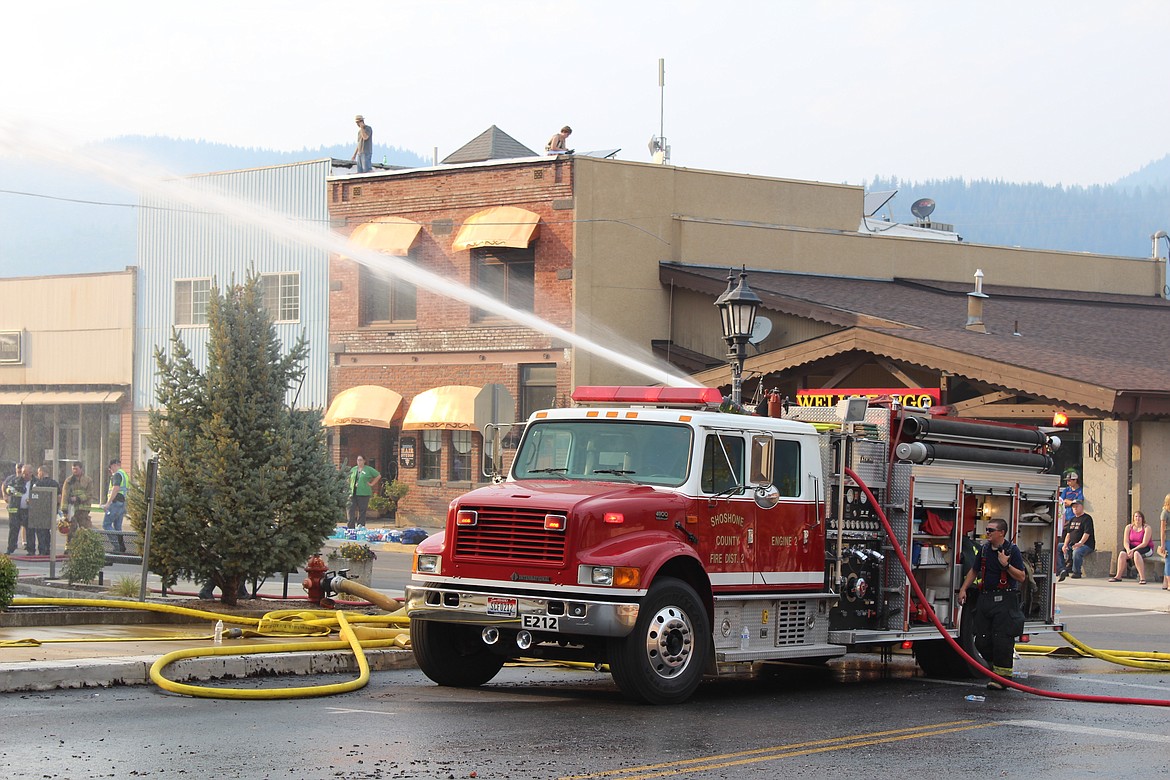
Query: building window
point(506, 274)
point(282, 296)
point(430, 462)
point(461, 456)
point(191, 297)
point(538, 388)
point(385, 299)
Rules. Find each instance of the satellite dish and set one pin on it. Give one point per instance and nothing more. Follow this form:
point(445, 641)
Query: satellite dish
point(655, 144)
point(922, 208)
point(760, 330)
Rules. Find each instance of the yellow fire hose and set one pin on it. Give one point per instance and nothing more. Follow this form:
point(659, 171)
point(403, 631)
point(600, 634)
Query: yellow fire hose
point(374, 631)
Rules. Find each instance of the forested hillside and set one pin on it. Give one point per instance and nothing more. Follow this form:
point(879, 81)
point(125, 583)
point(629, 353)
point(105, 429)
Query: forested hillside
point(1115, 219)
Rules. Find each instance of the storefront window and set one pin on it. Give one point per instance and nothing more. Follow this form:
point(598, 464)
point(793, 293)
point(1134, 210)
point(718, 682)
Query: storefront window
point(461, 456)
point(430, 462)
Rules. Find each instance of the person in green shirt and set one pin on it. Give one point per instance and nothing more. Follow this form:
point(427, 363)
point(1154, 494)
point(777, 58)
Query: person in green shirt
point(363, 480)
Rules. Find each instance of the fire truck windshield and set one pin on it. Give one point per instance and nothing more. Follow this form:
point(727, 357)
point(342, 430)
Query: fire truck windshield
point(647, 453)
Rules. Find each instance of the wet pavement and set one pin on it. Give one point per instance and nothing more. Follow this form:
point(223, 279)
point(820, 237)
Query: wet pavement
point(88, 654)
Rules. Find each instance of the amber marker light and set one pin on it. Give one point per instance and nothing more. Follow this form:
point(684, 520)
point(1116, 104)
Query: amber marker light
point(626, 577)
point(555, 522)
point(466, 517)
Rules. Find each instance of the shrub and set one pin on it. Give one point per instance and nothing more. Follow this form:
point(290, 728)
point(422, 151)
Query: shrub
point(125, 586)
point(8, 574)
point(385, 499)
point(87, 556)
point(354, 551)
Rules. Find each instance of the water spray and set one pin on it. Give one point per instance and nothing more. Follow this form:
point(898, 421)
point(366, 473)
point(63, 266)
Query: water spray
point(133, 173)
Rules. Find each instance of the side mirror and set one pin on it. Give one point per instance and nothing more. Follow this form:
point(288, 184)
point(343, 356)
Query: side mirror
point(767, 496)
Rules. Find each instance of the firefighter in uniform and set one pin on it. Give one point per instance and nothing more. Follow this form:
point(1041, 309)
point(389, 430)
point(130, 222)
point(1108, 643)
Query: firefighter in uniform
point(999, 619)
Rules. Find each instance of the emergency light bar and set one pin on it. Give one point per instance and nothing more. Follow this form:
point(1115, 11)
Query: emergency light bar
point(657, 396)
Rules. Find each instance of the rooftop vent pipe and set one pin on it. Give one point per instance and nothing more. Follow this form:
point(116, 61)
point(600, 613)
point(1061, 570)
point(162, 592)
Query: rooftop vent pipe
point(975, 305)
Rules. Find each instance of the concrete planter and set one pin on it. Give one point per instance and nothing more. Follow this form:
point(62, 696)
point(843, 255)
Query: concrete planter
point(362, 571)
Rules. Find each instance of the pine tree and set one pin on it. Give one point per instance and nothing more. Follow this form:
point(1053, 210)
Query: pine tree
point(245, 485)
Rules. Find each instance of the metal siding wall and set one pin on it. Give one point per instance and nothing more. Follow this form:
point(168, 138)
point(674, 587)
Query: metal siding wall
point(174, 243)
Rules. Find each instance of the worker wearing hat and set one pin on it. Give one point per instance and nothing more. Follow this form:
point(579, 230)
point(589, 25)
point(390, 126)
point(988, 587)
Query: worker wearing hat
point(364, 153)
point(1079, 541)
point(1071, 491)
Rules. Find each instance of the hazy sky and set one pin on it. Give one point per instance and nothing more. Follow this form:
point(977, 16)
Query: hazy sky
point(1056, 91)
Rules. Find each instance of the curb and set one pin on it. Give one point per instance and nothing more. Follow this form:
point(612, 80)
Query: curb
point(135, 670)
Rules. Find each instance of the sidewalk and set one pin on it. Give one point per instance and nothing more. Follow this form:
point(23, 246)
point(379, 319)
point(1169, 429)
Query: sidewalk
point(100, 648)
point(1127, 594)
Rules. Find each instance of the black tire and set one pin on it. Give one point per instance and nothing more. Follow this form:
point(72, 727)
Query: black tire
point(938, 659)
point(663, 659)
point(453, 655)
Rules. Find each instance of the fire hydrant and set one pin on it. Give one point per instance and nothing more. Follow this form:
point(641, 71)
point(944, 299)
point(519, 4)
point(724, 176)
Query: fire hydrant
point(314, 583)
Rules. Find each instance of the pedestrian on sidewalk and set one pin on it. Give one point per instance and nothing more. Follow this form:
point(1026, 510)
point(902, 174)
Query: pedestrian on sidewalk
point(1079, 541)
point(17, 490)
point(1165, 522)
point(363, 480)
point(42, 537)
point(115, 505)
point(1137, 541)
point(9, 492)
point(1070, 492)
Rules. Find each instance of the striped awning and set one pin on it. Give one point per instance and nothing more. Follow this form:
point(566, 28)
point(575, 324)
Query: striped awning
point(57, 397)
point(389, 235)
point(498, 226)
point(370, 405)
point(450, 406)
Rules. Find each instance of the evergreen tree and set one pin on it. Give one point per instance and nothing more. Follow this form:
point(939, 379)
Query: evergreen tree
point(245, 485)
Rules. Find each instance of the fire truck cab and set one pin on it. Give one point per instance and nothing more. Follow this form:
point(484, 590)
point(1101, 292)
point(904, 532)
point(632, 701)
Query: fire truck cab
point(670, 540)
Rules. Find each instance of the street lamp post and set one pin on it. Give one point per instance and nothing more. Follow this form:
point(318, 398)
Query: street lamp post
point(737, 313)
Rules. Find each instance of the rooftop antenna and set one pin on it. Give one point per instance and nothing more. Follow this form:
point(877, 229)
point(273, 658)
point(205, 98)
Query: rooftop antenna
point(659, 151)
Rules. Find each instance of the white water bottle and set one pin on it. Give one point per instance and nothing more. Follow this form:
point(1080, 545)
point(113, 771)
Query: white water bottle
point(218, 638)
point(745, 637)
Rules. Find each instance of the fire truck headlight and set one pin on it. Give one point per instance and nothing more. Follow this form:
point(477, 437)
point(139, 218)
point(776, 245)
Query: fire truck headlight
point(610, 576)
point(427, 564)
point(595, 575)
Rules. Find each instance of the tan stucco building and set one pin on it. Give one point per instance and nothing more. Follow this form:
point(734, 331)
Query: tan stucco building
point(66, 368)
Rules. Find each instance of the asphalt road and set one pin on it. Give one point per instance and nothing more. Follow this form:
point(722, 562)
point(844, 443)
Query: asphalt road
point(856, 718)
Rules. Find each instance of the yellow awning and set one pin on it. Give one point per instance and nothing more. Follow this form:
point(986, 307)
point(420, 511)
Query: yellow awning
point(499, 226)
point(451, 406)
point(363, 405)
point(389, 235)
point(55, 397)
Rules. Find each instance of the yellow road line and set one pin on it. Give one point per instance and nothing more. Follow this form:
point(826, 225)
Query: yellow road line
point(776, 752)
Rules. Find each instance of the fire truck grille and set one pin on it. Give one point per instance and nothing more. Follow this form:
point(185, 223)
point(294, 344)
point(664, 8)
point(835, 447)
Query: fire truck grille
point(510, 534)
point(791, 622)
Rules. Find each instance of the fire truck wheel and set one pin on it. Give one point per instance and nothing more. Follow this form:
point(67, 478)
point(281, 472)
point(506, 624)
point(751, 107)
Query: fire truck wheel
point(663, 659)
point(453, 655)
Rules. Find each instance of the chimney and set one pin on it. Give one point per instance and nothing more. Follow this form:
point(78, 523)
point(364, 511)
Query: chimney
point(975, 305)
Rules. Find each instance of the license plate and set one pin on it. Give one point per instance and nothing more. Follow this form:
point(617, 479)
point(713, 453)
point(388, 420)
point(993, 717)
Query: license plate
point(541, 622)
point(501, 607)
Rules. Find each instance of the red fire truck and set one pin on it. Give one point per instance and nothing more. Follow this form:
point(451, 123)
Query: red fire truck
point(647, 530)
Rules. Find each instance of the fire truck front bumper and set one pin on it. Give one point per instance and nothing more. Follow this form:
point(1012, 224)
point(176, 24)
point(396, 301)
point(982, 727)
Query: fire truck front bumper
point(570, 616)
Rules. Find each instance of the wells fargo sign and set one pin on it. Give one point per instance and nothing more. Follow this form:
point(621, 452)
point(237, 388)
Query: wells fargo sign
point(920, 397)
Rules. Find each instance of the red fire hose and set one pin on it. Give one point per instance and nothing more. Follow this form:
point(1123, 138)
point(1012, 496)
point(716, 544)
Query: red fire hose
point(1006, 681)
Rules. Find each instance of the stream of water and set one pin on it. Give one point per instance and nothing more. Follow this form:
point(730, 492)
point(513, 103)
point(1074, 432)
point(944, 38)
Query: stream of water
point(134, 174)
